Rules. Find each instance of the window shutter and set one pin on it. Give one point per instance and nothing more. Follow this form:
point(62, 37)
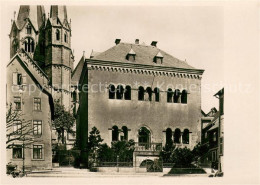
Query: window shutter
point(14, 78)
point(24, 80)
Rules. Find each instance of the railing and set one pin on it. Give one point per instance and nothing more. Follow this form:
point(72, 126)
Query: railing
point(154, 147)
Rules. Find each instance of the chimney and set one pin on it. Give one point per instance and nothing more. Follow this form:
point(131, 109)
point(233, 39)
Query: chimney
point(154, 43)
point(136, 41)
point(117, 41)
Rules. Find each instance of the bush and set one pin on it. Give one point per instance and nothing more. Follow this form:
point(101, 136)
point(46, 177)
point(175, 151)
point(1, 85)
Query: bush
point(194, 170)
point(182, 157)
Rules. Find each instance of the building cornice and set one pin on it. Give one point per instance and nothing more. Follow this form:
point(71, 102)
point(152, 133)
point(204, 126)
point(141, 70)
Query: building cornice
point(102, 65)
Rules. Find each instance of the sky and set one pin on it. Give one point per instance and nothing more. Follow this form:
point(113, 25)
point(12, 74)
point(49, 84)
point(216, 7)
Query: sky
point(191, 33)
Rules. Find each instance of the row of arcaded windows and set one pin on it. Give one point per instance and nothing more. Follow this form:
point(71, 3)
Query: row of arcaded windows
point(175, 136)
point(116, 131)
point(120, 93)
point(176, 96)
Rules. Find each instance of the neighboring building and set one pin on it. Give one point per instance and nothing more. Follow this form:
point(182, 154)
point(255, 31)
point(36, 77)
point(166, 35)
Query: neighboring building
point(220, 96)
point(40, 52)
point(29, 93)
point(144, 96)
point(213, 135)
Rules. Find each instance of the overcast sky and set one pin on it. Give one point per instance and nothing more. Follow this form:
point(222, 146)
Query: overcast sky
point(194, 33)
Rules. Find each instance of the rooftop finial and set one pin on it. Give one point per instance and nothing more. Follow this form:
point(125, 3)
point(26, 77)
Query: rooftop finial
point(48, 15)
point(83, 53)
point(14, 14)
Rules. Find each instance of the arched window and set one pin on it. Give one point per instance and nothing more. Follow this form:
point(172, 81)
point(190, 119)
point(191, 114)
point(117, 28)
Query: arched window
point(119, 92)
point(169, 95)
point(125, 131)
point(29, 45)
point(15, 45)
point(168, 136)
point(65, 37)
point(115, 133)
point(177, 96)
point(128, 93)
point(141, 93)
point(185, 136)
point(157, 94)
point(150, 93)
point(29, 29)
point(184, 97)
point(112, 92)
point(144, 136)
point(57, 34)
point(177, 135)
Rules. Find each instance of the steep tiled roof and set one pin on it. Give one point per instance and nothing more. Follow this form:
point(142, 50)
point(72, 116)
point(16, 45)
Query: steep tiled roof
point(144, 55)
point(214, 123)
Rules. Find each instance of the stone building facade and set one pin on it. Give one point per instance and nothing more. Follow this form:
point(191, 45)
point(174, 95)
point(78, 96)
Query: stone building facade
point(137, 91)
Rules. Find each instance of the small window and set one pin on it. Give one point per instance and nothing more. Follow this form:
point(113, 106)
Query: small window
point(37, 127)
point(115, 133)
point(17, 103)
point(150, 93)
point(57, 34)
point(215, 136)
point(37, 151)
point(65, 37)
point(29, 29)
point(119, 92)
point(128, 93)
point(19, 79)
point(168, 136)
point(186, 136)
point(176, 97)
point(184, 97)
point(17, 125)
point(37, 104)
point(125, 132)
point(177, 135)
point(141, 93)
point(169, 95)
point(17, 152)
point(157, 94)
point(112, 92)
point(15, 45)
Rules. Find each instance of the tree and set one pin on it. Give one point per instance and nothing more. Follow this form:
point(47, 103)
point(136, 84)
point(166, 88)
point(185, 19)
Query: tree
point(124, 150)
point(63, 121)
point(167, 151)
point(199, 151)
point(94, 143)
point(23, 130)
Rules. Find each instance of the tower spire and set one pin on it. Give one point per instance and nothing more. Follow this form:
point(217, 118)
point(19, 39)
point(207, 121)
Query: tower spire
point(59, 12)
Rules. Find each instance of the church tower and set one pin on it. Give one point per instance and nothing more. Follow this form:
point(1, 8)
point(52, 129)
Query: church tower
point(25, 30)
point(58, 55)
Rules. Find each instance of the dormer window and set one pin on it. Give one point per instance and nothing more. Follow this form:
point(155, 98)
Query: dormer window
point(158, 59)
point(29, 29)
point(131, 55)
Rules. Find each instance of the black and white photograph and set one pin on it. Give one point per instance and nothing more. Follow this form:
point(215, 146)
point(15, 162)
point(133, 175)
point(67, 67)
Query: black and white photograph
point(130, 90)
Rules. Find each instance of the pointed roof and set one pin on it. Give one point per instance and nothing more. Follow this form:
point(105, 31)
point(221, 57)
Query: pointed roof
point(144, 55)
point(59, 12)
point(34, 13)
